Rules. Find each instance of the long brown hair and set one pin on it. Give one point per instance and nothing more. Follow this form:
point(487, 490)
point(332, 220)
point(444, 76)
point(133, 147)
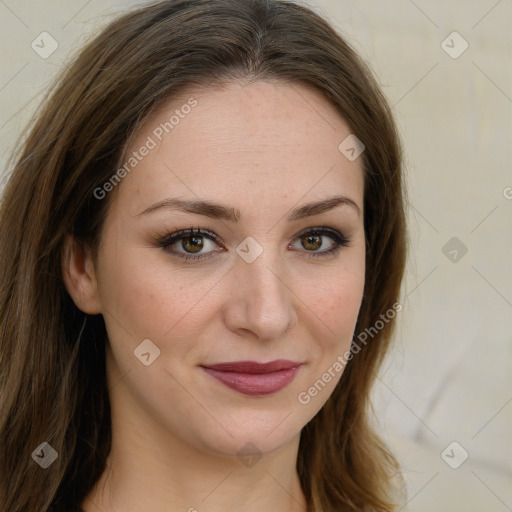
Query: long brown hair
point(52, 362)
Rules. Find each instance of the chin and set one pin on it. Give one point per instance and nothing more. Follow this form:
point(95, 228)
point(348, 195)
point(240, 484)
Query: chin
point(257, 434)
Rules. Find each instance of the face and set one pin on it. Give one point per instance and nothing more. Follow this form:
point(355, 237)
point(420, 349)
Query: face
point(225, 298)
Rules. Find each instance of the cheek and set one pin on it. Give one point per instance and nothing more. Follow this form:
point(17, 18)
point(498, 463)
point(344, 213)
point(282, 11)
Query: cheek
point(337, 304)
point(148, 299)
point(340, 317)
point(337, 311)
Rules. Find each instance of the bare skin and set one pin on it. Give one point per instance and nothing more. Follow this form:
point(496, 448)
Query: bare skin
point(264, 149)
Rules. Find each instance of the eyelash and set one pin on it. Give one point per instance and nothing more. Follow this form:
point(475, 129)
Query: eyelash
point(339, 241)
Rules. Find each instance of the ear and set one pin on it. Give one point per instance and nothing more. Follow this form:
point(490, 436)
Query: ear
point(79, 276)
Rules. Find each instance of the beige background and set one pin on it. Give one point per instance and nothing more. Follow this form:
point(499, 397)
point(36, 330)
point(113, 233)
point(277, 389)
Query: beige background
point(449, 377)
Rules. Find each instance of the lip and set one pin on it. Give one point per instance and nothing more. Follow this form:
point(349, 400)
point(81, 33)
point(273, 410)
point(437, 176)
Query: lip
point(253, 378)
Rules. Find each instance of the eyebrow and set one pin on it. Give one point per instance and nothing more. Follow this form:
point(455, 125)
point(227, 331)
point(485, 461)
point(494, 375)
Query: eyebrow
point(219, 211)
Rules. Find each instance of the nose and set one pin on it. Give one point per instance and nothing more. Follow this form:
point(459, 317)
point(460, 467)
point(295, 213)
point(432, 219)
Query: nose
point(261, 303)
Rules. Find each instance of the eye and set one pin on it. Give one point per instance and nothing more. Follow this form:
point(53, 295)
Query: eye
point(189, 243)
point(314, 239)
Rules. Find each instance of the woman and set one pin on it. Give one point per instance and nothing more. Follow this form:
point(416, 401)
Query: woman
point(199, 233)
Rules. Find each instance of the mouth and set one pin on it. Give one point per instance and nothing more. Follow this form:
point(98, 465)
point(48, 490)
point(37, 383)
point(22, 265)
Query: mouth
point(252, 378)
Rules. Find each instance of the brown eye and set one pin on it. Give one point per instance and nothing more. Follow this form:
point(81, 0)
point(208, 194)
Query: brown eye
point(189, 244)
point(192, 244)
point(322, 241)
point(311, 242)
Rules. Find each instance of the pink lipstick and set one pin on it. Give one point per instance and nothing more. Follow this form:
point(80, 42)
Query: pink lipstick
point(252, 378)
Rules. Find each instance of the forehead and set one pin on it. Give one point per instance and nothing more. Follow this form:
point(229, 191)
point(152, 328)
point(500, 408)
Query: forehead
point(242, 138)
